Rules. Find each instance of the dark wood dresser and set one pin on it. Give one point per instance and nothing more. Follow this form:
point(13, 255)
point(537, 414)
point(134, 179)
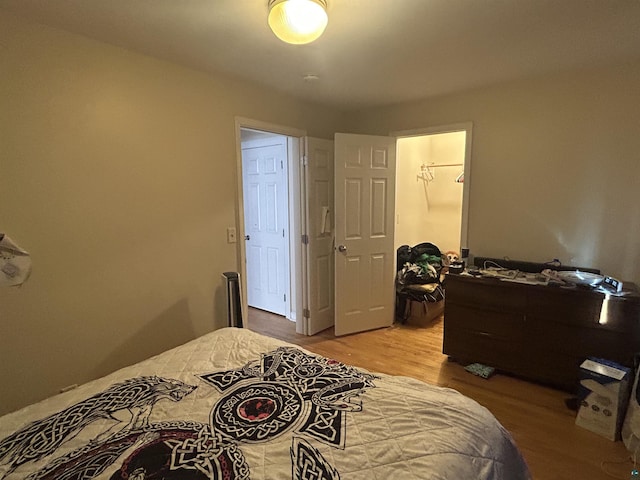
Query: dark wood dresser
point(542, 333)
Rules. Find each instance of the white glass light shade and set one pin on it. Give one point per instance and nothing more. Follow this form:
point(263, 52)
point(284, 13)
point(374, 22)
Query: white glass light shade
point(298, 21)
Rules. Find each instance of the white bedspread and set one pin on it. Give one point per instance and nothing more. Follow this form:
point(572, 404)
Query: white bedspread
point(237, 405)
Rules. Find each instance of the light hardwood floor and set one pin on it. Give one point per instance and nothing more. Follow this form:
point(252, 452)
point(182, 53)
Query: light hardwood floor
point(537, 417)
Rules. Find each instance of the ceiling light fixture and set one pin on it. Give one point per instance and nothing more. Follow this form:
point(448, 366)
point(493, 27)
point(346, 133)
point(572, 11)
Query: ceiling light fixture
point(298, 21)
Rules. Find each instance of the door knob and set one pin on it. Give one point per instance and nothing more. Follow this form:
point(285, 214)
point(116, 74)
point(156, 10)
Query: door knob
point(342, 248)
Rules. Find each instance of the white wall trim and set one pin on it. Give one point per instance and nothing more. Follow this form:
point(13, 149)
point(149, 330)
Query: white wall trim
point(452, 127)
point(243, 122)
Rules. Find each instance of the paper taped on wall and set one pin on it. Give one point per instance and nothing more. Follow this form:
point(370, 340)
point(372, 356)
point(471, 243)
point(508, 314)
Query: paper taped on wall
point(15, 263)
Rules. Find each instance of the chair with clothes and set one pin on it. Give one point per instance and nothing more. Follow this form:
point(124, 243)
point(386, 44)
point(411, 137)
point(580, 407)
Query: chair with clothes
point(419, 277)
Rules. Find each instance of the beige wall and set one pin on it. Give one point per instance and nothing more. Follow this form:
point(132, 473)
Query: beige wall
point(118, 175)
point(429, 211)
point(555, 165)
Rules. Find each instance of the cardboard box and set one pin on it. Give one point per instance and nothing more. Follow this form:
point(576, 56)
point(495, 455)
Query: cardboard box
point(422, 314)
point(603, 394)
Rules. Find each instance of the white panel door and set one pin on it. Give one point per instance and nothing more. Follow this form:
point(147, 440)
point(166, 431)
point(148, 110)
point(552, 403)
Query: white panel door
point(319, 215)
point(365, 168)
point(266, 222)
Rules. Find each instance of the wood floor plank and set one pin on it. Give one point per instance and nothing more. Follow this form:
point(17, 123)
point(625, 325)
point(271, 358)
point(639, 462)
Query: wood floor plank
point(537, 416)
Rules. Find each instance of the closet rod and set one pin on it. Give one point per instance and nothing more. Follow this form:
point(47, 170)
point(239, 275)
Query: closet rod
point(446, 165)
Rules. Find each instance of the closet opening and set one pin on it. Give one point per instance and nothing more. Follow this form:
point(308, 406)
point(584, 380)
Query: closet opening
point(432, 184)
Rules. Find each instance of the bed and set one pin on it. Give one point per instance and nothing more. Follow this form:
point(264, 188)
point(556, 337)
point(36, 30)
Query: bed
point(234, 404)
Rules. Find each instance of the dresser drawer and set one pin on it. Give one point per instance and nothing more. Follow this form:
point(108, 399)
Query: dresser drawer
point(580, 342)
point(558, 369)
point(585, 309)
point(506, 326)
point(500, 296)
point(563, 306)
point(621, 314)
point(485, 348)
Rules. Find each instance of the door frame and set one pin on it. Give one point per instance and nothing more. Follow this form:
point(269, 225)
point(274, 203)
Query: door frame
point(466, 127)
point(295, 149)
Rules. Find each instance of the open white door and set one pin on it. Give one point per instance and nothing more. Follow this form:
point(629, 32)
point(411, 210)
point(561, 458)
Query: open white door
point(318, 220)
point(365, 169)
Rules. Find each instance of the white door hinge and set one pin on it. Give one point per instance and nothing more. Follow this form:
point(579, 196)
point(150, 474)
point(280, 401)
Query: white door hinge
point(306, 313)
point(305, 239)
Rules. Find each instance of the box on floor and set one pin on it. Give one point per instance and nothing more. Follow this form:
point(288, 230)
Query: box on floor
point(422, 314)
point(603, 394)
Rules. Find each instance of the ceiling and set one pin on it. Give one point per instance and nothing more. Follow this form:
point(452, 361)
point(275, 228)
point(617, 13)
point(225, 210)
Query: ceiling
point(373, 52)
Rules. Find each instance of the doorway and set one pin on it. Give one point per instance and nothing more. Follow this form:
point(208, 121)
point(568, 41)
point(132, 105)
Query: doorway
point(432, 180)
point(285, 280)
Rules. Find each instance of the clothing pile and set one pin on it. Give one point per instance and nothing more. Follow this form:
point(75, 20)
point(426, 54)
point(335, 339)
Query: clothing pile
point(419, 278)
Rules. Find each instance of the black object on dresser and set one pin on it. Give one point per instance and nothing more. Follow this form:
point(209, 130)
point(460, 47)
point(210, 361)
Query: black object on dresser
point(538, 332)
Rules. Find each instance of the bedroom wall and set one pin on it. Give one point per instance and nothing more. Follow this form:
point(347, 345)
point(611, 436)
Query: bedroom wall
point(555, 165)
point(118, 175)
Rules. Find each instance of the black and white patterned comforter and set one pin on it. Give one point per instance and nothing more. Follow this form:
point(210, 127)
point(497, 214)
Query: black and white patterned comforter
point(237, 405)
